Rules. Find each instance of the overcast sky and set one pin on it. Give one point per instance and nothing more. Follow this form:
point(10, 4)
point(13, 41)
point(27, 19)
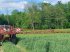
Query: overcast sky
point(21, 4)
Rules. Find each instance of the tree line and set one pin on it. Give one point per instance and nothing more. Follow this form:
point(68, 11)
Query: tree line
point(40, 16)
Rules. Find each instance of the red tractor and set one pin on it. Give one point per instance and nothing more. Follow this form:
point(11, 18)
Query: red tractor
point(10, 31)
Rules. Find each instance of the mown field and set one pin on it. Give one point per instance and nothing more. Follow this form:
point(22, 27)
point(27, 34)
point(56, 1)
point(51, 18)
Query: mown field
point(55, 42)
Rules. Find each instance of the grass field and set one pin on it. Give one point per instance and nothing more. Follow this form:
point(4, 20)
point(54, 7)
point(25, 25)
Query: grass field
point(58, 42)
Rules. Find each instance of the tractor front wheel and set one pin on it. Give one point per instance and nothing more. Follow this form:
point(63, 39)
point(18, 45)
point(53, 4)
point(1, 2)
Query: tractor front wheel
point(1, 39)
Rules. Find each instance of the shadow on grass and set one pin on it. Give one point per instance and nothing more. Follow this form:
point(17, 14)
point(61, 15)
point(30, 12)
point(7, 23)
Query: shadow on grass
point(48, 47)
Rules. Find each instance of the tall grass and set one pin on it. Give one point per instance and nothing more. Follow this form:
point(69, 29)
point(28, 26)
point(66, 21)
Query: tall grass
point(9, 47)
point(58, 42)
point(46, 43)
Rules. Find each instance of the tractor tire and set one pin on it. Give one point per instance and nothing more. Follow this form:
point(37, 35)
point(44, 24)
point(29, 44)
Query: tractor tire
point(13, 39)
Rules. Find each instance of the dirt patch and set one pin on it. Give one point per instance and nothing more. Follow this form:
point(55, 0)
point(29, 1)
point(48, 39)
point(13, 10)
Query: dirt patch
point(45, 31)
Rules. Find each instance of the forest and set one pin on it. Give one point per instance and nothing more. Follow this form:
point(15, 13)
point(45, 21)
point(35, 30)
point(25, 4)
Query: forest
point(39, 16)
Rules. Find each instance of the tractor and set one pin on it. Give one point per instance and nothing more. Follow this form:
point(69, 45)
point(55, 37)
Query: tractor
point(10, 32)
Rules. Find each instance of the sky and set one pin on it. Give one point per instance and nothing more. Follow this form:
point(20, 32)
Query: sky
point(55, 1)
point(7, 6)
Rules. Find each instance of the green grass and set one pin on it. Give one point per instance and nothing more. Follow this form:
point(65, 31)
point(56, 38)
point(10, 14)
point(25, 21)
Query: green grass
point(9, 47)
point(58, 42)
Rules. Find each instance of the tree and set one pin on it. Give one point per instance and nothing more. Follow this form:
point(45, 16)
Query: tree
point(34, 15)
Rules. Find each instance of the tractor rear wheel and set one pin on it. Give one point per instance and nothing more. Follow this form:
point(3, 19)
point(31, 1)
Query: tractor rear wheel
point(13, 38)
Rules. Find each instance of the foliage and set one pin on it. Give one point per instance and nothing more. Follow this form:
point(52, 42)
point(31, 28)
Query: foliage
point(40, 16)
point(9, 47)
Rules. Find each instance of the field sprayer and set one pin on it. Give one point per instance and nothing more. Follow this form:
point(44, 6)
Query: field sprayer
point(10, 31)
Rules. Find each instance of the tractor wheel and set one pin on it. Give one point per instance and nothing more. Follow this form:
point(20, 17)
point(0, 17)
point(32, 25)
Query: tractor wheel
point(13, 39)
